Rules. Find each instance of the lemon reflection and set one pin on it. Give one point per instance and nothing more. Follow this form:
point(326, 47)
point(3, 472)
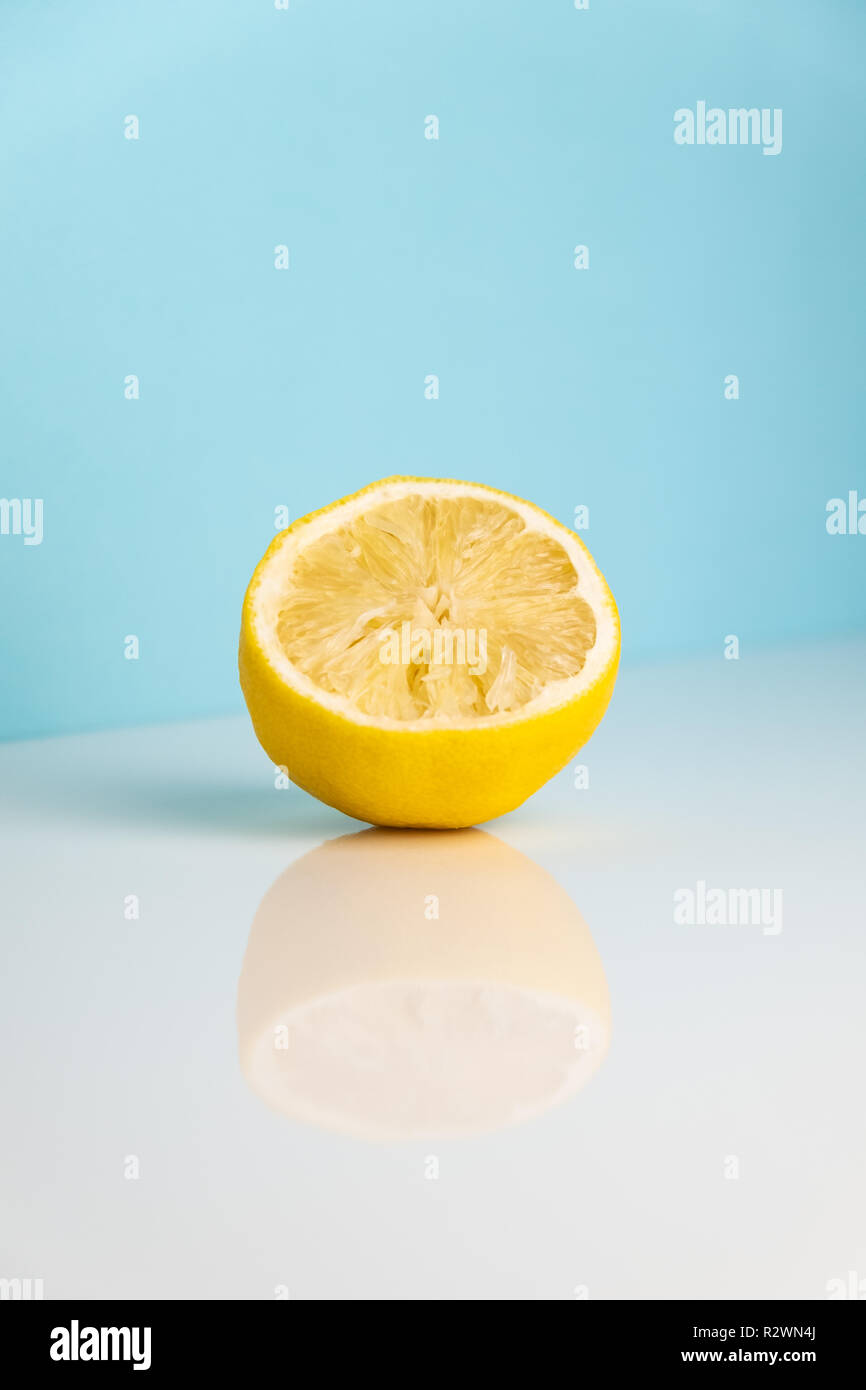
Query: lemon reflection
point(407, 985)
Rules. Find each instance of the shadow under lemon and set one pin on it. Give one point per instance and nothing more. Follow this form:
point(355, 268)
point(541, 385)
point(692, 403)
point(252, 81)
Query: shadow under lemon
point(398, 985)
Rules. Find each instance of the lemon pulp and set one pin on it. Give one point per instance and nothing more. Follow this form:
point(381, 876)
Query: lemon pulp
point(502, 596)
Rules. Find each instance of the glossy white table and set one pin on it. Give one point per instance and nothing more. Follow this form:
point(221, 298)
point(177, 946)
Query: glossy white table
point(715, 1149)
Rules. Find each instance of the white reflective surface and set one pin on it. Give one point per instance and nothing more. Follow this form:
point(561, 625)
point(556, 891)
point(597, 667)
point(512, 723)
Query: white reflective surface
point(411, 1066)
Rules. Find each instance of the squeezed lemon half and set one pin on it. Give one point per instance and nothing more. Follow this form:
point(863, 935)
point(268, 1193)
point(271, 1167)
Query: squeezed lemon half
point(427, 652)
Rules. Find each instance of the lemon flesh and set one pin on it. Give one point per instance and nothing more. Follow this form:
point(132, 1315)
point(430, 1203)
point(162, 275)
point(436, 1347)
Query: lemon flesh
point(469, 572)
point(427, 652)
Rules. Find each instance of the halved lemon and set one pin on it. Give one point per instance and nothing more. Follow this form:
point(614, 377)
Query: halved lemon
point(427, 652)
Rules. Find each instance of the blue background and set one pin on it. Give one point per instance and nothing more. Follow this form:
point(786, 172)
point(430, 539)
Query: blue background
point(409, 257)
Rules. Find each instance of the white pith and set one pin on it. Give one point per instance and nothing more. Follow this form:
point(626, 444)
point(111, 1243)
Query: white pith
point(273, 579)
